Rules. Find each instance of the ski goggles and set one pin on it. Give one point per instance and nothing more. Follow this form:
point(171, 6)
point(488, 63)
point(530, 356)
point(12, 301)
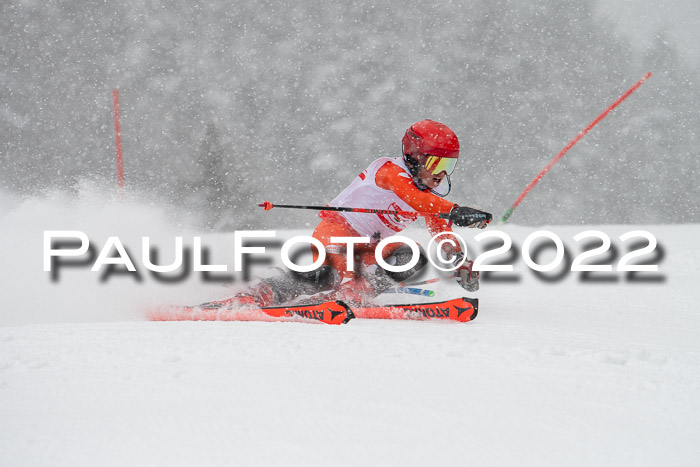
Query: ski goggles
point(437, 164)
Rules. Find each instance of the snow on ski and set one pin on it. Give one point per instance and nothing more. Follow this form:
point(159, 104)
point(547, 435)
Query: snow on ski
point(332, 312)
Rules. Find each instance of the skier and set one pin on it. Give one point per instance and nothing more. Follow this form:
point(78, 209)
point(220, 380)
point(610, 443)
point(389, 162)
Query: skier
point(416, 182)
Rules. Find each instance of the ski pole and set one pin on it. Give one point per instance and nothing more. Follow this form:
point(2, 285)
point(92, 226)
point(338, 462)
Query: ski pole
point(472, 215)
point(411, 284)
point(412, 291)
point(411, 214)
point(581, 134)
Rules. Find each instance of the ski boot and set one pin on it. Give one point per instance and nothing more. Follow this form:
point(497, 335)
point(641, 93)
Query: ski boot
point(258, 296)
point(283, 288)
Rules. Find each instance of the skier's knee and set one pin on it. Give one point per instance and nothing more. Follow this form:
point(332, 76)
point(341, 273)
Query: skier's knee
point(287, 286)
point(402, 256)
point(320, 279)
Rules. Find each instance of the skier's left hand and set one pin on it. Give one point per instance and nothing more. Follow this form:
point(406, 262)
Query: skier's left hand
point(467, 278)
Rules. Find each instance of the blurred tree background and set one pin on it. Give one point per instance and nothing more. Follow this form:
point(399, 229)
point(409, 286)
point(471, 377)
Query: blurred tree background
point(226, 104)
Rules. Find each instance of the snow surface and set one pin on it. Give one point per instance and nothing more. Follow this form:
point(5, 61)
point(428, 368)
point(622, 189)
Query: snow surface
point(562, 373)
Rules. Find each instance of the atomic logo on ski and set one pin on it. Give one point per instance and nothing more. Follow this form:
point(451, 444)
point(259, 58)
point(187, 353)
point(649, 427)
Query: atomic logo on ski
point(459, 309)
point(335, 312)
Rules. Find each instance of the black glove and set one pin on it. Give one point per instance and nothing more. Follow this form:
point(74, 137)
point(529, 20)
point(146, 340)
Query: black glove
point(466, 277)
point(469, 217)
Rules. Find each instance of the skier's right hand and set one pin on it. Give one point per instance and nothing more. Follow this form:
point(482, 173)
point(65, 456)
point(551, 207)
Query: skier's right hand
point(466, 277)
point(464, 216)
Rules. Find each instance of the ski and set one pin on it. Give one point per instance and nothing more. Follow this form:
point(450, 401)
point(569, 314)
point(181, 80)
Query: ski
point(331, 312)
point(459, 309)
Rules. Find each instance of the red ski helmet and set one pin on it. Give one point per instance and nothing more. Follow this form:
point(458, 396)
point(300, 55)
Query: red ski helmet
point(432, 145)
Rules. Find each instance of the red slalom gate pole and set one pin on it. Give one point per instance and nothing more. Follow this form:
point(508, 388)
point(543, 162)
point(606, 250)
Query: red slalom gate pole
point(570, 145)
point(118, 140)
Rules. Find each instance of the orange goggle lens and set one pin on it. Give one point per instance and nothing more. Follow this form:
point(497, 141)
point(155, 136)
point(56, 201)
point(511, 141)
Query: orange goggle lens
point(436, 164)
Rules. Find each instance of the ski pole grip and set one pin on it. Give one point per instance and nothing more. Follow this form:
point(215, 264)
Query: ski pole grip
point(267, 205)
